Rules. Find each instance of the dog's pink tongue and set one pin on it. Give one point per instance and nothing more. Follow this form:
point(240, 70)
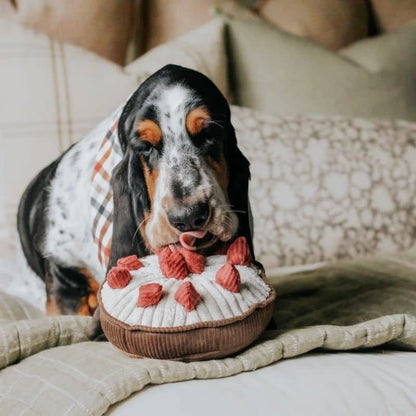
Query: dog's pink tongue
point(188, 238)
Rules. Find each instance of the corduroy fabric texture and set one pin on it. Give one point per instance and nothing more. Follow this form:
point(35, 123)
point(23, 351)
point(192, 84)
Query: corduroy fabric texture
point(205, 340)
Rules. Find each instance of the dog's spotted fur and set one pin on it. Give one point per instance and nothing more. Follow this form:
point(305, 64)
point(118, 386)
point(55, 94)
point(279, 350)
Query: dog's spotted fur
point(179, 149)
point(68, 238)
point(184, 176)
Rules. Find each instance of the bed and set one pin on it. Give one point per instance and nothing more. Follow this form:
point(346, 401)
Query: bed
point(345, 344)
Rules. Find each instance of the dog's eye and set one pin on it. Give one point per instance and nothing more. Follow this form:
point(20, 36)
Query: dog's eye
point(150, 151)
point(142, 147)
point(208, 138)
point(204, 142)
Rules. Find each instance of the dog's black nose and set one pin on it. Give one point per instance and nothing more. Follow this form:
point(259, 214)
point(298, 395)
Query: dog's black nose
point(191, 217)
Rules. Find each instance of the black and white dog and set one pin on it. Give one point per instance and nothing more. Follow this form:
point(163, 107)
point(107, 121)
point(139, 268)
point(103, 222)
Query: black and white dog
point(179, 172)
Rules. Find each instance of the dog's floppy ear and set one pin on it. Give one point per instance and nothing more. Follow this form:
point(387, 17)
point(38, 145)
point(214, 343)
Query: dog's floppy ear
point(130, 195)
point(238, 179)
point(130, 204)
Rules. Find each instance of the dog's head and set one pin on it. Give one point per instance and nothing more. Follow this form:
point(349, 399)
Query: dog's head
point(182, 170)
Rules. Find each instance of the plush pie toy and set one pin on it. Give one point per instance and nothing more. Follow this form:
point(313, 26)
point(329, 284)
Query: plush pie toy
point(180, 305)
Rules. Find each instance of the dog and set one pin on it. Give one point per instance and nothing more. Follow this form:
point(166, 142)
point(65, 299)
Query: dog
point(179, 173)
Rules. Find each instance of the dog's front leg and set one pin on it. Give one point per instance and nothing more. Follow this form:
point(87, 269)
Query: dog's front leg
point(69, 291)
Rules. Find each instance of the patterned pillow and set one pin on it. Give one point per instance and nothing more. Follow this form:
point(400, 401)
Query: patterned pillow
point(326, 188)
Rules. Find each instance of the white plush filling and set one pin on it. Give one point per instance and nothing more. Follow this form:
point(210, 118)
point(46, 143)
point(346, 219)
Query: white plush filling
point(215, 303)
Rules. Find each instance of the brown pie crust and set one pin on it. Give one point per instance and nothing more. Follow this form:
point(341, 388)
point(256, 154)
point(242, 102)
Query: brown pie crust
point(199, 341)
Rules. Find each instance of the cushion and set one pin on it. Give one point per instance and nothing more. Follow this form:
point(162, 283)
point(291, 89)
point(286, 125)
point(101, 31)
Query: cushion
point(6, 8)
point(202, 49)
point(296, 75)
point(103, 27)
point(148, 308)
point(326, 188)
point(167, 19)
point(391, 15)
point(55, 94)
point(332, 23)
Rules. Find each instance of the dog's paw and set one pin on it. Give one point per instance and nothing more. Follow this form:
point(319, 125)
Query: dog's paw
point(88, 304)
point(94, 330)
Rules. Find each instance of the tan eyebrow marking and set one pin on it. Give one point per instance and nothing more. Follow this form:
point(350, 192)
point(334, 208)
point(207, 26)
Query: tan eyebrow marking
point(149, 131)
point(196, 120)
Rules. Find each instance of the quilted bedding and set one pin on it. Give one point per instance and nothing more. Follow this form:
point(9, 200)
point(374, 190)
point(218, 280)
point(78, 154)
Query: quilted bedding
point(344, 306)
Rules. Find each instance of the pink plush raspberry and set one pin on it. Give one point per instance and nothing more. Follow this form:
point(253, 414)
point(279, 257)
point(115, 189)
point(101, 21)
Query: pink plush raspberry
point(130, 262)
point(187, 296)
point(118, 277)
point(229, 278)
point(172, 264)
point(149, 295)
point(239, 252)
point(194, 261)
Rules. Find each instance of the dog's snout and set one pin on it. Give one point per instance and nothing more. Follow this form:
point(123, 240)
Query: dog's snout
point(191, 217)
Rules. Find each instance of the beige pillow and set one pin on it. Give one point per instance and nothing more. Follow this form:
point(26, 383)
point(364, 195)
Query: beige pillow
point(53, 94)
point(104, 27)
point(167, 19)
point(392, 14)
point(6, 9)
point(332, 23)
point(274, 71)
point(326, 188)
point(202, 49)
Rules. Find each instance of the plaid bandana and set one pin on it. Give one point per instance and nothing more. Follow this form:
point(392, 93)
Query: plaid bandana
point(108, 156)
